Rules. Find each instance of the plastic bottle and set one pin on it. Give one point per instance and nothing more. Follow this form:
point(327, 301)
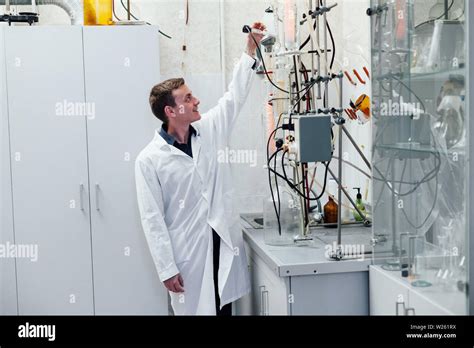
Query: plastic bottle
point(360, 205)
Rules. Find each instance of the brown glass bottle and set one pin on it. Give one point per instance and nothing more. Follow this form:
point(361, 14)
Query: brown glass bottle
point(330, 211)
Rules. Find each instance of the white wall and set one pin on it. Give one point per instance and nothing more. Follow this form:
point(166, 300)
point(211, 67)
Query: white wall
point(209, 49)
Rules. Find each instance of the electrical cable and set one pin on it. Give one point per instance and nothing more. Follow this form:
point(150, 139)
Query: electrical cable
point(307, 205)
point(429, 213)
point(285, 177)
point(113, 11)
point(308, 38)
point(297, 84)
point(278, 192)
point(383, 186)
point(428, 177)
point(332, 41)
point(443, 15)
point(266, 71)
point(277, 211)
point(296, 103)
point(131, 15)
point(411, 91)
point(462, 14)
point(306, 80)
point(355, 167)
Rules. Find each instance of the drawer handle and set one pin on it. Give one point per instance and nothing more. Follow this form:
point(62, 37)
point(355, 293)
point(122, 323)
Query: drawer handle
point(262, 310)
point(397, 312)
point(81, 198)
point(266, 310)
point(97, 189)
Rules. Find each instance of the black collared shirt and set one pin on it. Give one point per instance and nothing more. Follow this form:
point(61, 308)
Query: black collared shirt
point(186, 148)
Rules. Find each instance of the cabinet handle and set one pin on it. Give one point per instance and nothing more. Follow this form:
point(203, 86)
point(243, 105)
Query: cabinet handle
point(408, 310)
point(81, 198)
point(262, 289)
point(397, 312)
point(97, 189)
point(266, 310)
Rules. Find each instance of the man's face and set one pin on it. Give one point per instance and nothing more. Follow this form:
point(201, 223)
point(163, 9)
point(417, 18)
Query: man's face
point(186, 109)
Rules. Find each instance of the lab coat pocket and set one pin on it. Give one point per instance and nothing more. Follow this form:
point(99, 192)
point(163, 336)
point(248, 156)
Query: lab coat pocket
point(180, 246)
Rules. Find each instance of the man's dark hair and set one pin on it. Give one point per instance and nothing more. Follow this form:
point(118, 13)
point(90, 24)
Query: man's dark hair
point(161, 96)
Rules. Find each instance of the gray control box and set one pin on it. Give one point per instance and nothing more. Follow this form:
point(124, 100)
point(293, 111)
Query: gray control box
point(311, 137)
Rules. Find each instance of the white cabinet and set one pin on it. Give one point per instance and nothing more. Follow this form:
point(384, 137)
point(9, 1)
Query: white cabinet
point(49, 169)
point(338, 293)
point(119, 77)
point(270, 293)
point(391, 295)
point(79, 115)
point(386, 296)
point(422, 305)
point(8, 299)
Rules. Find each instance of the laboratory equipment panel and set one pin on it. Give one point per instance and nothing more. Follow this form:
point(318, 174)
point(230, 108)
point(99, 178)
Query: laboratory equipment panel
point(119, 77)
point(49, 169)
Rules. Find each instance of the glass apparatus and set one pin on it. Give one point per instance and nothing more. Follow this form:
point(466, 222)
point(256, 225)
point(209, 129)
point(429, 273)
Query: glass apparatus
point(289, 212)
point(420, 146)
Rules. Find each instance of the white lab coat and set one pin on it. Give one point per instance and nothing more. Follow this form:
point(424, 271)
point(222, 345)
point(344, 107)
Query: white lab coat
point(182, 198)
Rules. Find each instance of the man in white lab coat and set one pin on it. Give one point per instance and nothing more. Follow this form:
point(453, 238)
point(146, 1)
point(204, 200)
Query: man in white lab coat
point(185, 195)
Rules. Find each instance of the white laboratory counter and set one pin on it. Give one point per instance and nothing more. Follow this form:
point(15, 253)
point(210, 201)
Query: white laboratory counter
point(300, 280)
point(309, 260)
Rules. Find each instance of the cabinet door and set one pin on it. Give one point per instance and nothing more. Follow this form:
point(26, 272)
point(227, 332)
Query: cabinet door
point(386, 294)
point(269, 292)
point(424, 305)
point(121, 67)
point(8, 299)
point(49, 169)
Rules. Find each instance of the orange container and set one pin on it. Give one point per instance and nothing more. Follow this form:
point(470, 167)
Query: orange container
point(98, 12)
point(363, 104)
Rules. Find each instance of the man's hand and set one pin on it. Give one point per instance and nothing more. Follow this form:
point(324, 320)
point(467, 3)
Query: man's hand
point(175, 283)
point(251, 47)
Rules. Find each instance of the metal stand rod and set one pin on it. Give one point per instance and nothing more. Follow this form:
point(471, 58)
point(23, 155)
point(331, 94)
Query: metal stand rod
point(339, 163)
point(313, 95)
point(318, 41)
point(394, 202)
point(339, 188)
point(356, 147)
point(326, 84)
point(302, 202)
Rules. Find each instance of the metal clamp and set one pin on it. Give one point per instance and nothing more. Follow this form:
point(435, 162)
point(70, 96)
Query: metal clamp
point(322, 10)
